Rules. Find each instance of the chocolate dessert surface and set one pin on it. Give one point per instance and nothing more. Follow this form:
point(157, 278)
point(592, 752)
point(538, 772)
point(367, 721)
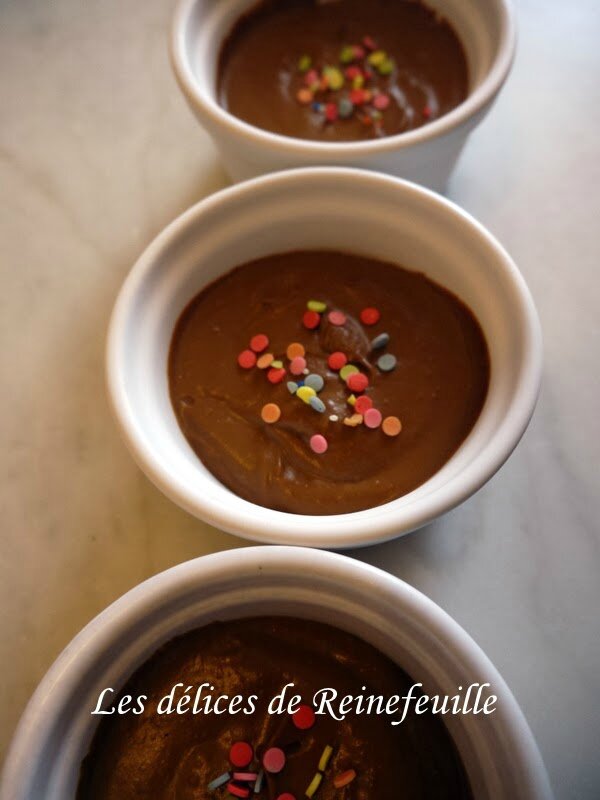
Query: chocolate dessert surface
point(196, 756)
point(319, 382)
point(343, 70)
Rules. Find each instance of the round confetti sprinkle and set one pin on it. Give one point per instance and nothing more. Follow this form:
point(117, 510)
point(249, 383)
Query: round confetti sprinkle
point(286, 796)
point(241, 754)
point(238, 791)
point(259, 342)
point(362, 404)
point(337, 360)
point(217, 782)
point(317, 305)
point(387, 362)
point(247, 359)
point(305, 393)
point(391, 426)
point(344, 778)
point(337, 318)
point(297, 365)
point(357, 382)
point(354, 421)
point(348, 370)
point(304, 96)
point(304, 718)
point(318, 444)
point(265, 360)
point(380, 341)
point(372, 418)
point(315, 382)
point(311, 320)
point(381, 101)
point(370, 316)
point(292, 387)
point(270, 413)
point(274, 760)
point(276, 375)
point(317, 404)
point(294, 350)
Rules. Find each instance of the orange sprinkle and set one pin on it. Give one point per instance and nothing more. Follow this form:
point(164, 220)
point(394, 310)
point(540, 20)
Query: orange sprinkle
point(270, 413)
point(354, 420)
point(265, 360)
point(295, 350)
point(344, 778)
point(391, 426)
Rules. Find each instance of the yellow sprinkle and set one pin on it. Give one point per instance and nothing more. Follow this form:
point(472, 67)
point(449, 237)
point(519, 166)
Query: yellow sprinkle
point(352, 400)
point(378, 57)
point(354, 420)
point(348, 370)
point(314, 785)
point(325, 756)
point(316, 305)
point(305, 393)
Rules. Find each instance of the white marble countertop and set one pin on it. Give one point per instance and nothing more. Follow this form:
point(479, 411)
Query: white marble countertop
point(97, 153)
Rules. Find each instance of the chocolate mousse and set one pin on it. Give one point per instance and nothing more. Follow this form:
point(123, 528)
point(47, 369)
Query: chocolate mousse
point(319, 382)
point(224, 743)
point(342, 70)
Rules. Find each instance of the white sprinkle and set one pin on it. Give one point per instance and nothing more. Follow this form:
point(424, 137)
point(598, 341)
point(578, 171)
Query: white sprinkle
point(334, 417)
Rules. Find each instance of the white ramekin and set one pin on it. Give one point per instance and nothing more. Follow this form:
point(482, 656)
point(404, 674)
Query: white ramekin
point(498, 750)
point(426, 155)
point(356, 211)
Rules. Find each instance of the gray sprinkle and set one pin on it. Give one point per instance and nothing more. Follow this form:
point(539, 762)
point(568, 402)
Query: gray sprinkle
point(317, 404)
point(380, 341)
point(292, 387)
point(387, 362)
point(315, 382)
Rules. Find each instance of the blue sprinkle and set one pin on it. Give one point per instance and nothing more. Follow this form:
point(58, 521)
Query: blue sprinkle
point(387, 362)
point(315, 382)
point(300, 383)
point(220, 781)
point(317, 404)
point(292, 387)
point(380, 341)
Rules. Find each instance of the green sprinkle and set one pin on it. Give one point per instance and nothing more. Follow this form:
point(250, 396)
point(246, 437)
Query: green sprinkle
point(345, 108)
point(335, 78)
point(347, 54)
point(387, 67)
point(316, 305)
point(304, 63)
point(377, 58)
point(276, 364)
point(348, 370)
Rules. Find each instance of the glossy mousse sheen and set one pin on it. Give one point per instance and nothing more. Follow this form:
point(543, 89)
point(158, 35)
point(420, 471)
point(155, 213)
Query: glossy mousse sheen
point(437, 389)
point(175, 757)
point(259, 78)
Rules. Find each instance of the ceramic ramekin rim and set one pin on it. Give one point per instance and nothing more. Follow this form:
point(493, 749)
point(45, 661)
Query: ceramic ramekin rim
point(78, 658)
point(344, 530)
point(474, 104)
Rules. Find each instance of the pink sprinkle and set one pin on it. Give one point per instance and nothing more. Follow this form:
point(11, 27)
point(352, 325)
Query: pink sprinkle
point(245, 776)
point(372, 418)
point(311, 77)
point(381, 101)
point(318, 443)
point(274, 760)
point(297, 365)
point(337, 317)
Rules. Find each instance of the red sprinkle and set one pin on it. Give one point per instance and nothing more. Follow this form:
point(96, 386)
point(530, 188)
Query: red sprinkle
point(275, 375)
point(372, 418)
point(238, 791)
point(357, 382)
point(337, 317)
point(247, 359)
point(370, 316)
point(274, 760)
point(363, 404)
point(427, 112)
point(370, 43)
point(286, 796)
point(358, 97)
point(353, 72)
point(337, 360)
point(240, 755)
point(331, 112)
point(259, 342)
point(246, 777)
point(304, 718)
point(311, 320)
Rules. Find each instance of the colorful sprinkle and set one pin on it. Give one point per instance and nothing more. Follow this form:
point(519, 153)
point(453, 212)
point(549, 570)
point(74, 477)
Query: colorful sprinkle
point(337, 318)
point(270, 413)
point(247, 359)
point(297, 365)
point(317, 305)
point(381, 101)
point(344, 778)
point(387, 362)
point(357, 382)
point(259, 782)
point(331, 112)
point(265, 360)
point(391, 426)
point(274, 760)
point(294, 350)
point(304, 63)
point(317, 404)
point(292, 387)
point(259, 342)
point(348, 370)
point(372, 418)
point(315, 382)
point(325, 756)
point(370, 316)
point(347, 54)
point(276, 375)
point(241, 754)
point(427, 112)
point(314, 785)
point(362, 404)
point(304, 96)
point(304, 718)
point(354, 421)
point(305, 393)
point(345, 108)
point(369, 43)
point(217, 782)
point(277, 364)
point(238, 791)
point(380, 341)
point(333, 418)
point(351, 400)
point(311, 320)
point(337, 360)
point(246, 777)
point(286, 796)
point(318, 444)
point(334, 77)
